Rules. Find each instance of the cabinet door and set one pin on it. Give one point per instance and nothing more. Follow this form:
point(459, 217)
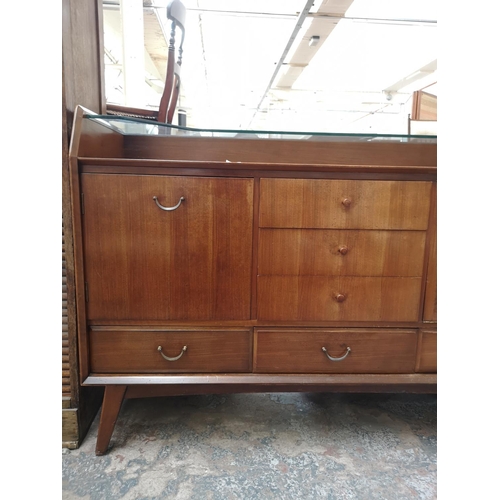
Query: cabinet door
point(146, 263)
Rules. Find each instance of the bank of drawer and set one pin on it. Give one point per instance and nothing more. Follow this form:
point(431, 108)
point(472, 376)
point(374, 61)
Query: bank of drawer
point(353, 351)
point(341, 252)
point(133, 351)
point(330, 298)
point(427, 352)
point(344, 204)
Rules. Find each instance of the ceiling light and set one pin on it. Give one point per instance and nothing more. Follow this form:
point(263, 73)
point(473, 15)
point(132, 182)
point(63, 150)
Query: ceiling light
point(313, 41)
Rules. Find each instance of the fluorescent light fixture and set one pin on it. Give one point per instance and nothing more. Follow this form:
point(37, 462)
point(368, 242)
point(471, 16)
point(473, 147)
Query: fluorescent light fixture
point(313, 41)
point(413, 75)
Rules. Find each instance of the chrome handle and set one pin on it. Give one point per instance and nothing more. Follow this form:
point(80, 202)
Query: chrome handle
point(184, 349)
point(168, 209)
point(336, 359)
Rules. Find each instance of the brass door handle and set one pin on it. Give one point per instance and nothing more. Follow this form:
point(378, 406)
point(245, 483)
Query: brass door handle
point(168, 209)
point(184, 349)
point(336, 359)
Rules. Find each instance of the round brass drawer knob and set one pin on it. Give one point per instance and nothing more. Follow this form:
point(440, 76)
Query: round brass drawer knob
point(346, 202)
point(343, 250)
point(340, 297)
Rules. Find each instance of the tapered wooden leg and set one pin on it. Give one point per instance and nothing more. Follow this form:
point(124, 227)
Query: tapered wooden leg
point(113, 398)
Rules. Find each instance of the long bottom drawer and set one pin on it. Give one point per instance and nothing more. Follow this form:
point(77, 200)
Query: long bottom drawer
point(188, 351)
point(335, 351)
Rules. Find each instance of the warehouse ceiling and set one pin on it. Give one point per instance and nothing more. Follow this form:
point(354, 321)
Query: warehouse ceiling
point(315, 65)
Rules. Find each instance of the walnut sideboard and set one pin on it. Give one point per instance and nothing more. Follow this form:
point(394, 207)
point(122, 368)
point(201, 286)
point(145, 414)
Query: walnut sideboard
point(211, 262)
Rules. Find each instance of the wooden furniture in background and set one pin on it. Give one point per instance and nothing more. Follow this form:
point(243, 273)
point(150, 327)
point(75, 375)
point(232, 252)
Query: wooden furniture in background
point(82, 83)
point(423, 117)
point(176, 13)
point(424, 106)
point(209, 265)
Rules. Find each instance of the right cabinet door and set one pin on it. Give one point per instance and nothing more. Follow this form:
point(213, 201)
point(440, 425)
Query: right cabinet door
point(341, 250)
point(146, 263)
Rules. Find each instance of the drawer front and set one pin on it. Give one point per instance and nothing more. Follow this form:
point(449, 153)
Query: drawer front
point(144, 263)
point(325, 298)
point(344, 204)
point(122, 351)
point(368, 351)
point(341, 252)
point(427, 352)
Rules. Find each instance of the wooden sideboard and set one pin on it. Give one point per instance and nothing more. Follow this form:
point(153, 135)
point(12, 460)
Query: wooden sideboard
point(233, 264)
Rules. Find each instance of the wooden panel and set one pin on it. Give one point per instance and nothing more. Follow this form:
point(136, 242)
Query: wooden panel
point(144, 263)
point(430, 303)
point(82, 55)
point(137, 351)
point(341, 252)
point(70, 427)
point(427, 352)
point(66, 388)
point(344, 204)
point(276, 151)
point(300, 351)
point(424, 106)
point(98, 141)
point(319, 298)
point(250, 383)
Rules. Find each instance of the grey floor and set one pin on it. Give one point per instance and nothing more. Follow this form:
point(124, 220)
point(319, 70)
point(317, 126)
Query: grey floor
point(262, 446)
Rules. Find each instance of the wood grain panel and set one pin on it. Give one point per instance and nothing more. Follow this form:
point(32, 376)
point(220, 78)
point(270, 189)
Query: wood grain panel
point(144, 263)
point(83, 55)
point(430, 303)
point(137, 351)
point(276, 151)
point(341, 252)
point(427, 352)
point(66, 382)
point(300, 351)
point(344, 204)
point(315, 298)
point(424, 106)
point(69, 426)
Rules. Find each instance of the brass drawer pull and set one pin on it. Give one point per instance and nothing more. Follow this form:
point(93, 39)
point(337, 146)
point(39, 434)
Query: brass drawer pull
point(184, 349)
point(336, 359)
point(343, 250)
point(168, 209)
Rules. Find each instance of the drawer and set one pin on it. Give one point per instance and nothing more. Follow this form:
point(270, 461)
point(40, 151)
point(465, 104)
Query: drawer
point(341, 252)
point(136, 351)
point(330, 298)
point(368, 351)
point(427, 352)
point(344, 204)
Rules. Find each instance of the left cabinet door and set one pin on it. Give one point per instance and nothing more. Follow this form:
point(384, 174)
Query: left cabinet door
point(146, 263)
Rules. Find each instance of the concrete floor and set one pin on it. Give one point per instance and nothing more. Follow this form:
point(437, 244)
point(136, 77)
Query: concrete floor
point(262, 446)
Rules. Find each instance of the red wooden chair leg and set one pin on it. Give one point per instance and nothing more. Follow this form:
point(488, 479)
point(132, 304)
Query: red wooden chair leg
point(113, 398)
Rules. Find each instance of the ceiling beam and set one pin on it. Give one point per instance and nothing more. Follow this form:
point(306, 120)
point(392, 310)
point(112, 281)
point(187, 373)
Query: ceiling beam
point(296, 29)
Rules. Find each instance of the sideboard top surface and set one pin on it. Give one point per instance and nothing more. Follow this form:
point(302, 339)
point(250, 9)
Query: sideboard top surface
point(123, 138)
